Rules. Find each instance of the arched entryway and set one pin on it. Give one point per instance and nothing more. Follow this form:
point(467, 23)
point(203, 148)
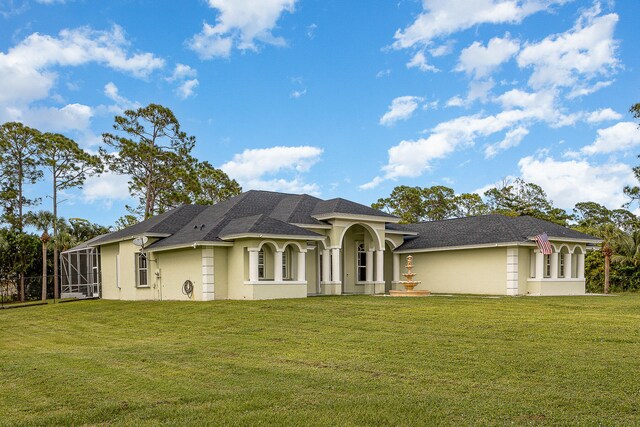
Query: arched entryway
point(362, 260)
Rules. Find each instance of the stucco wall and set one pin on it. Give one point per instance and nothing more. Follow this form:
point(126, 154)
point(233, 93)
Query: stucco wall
point(267, 291)
point(177, 266)
point(560, 287)
point(108, 254)
point(311, 270)
point(126, 281)
point(472, 271)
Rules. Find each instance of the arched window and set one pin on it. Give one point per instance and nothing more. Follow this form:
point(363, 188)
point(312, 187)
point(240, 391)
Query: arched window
point(361, 262)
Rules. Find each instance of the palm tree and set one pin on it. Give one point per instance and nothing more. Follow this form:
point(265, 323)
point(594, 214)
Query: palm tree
point(43, 221)
point(612, 237)
point(628, 250)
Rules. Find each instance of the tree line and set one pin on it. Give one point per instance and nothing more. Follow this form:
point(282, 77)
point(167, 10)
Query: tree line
point(147, 145)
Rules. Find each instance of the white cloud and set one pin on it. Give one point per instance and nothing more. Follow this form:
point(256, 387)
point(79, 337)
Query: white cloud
point(413, 157)
point(383, 73)
point(444, 17)
point(252, 168)
point(27, 73)
point(443, 49)
point(106, 188)
point(181, 72)
point(298, 93)
point(187, 88)
point(480, 61)
point(603, 115)
point(619, 137)
point(580, 89)
point(419, 61)
point(455, 101)
point(401, 108)
point(53, 119)
point(478, 90)
point(586, 51)
point(185, 78)
point(574, 181)
point(121, 103)
point(239, 24)
point(511, 139)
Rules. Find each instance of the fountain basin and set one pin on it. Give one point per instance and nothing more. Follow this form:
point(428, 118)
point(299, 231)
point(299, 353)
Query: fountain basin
point(410, 293)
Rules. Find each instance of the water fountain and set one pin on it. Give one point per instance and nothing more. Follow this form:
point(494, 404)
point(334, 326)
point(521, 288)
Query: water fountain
point(409, 284)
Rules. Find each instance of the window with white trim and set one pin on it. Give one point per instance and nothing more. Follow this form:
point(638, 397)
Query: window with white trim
point(561, 268)
point(142, 278)
point(361, 262)
point(261, 264)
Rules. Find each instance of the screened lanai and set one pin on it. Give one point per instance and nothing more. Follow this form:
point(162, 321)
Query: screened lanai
point(80, 271)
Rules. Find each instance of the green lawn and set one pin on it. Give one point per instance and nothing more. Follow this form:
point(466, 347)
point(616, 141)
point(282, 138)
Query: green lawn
point(324, 361)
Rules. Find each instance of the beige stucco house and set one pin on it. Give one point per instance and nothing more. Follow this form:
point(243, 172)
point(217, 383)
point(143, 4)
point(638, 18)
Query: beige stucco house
point(262, 245)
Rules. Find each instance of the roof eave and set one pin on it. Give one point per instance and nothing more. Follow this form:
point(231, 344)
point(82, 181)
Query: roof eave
point(271, 236)
point(371, 218)
point(190, 245)
point(461, 247)
point(133, 236)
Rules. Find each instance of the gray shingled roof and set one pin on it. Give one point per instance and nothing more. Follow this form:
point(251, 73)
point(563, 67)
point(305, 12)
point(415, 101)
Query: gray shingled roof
point(343, 206)
point(166, 223)
point(262, 224)
point(485, 229)
point(255, 212)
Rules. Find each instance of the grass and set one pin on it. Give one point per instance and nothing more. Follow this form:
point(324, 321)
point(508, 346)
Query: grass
point(324, 361)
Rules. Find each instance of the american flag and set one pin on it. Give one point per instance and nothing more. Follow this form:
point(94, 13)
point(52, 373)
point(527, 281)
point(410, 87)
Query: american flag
point(542, 240)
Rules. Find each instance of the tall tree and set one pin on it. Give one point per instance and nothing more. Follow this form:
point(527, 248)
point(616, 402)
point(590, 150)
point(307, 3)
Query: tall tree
point(470, 204)
point(405, 202)
point(440, 202)
point(633, 192)
point(153, 151)
point(69, 167)
point(611, 237)
point(212, 185)
point(18, 167)
point(42, 221)
point(519, 198)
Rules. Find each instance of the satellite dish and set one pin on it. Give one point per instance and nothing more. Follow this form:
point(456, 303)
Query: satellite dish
point(140, 241)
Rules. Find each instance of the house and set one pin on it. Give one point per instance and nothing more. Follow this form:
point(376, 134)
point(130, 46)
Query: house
point(262, 245)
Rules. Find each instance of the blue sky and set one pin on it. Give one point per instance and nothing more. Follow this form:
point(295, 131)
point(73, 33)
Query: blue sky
point(341, 98)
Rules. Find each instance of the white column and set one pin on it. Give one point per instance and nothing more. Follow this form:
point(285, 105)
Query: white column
point(380, 266)
point(512, 271)
point(326, 266)
point(580, 266)
point(277, 266)
point(554, 265)
point(335, 265)
point(302, 266)
point(539, 264)
point(253, 265)
point(396, 267)
point(208, 282)
point(369, 275)
point(567, 266)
